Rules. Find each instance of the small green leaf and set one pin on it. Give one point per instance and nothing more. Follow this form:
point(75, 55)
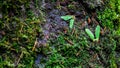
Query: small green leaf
point(71, 23)
point(90, 33)
point(67, 17)
point(97, 32)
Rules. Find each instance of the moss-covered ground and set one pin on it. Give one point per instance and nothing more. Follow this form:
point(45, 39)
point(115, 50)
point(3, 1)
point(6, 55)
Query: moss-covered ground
point(33, 35)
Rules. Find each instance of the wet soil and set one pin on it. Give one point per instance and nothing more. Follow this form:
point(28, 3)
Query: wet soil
point(54, 26)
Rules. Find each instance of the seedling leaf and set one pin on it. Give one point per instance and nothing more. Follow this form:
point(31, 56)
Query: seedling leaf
point(97, 32)
point(90, 33)
point(71, 23)
point(67, 17)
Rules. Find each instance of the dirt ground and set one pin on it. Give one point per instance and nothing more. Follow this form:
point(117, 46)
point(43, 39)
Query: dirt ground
point(55, 44)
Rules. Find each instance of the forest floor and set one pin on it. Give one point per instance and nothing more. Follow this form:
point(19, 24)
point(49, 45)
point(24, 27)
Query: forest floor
point(58, 46)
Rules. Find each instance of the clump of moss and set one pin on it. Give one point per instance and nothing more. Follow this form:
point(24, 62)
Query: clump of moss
point(19, 28)
point(110, 16)
point(77, 50)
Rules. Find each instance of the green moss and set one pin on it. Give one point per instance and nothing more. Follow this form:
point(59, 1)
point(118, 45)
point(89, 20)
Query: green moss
point(73, 50)
point(110, 16)
point(19, 32)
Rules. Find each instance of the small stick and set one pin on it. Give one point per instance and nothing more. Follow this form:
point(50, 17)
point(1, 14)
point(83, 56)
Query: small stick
point(69, 41)
point(34, 45)
point(73, 31)
point(94, 20)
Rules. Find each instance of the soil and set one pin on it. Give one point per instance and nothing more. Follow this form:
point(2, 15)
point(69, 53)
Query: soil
point(55, 26)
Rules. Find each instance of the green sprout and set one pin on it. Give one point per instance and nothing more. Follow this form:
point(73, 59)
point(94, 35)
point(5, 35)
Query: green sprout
point(97, 33)
point(71, 19)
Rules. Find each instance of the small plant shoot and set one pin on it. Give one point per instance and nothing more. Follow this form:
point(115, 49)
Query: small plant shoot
point(91, 35)
point(97, 32)
point(70, 18)
point(67, 17)
point(71, 23)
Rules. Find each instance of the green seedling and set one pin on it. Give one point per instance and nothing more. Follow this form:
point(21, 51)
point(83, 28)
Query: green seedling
point(70, 18)
point(97, 33)
point(90, 33)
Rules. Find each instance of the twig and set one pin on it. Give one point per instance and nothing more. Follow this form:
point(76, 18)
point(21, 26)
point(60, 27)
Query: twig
point(73, 31)
point(69, 41)
point(34, 45)
point(94, 20)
